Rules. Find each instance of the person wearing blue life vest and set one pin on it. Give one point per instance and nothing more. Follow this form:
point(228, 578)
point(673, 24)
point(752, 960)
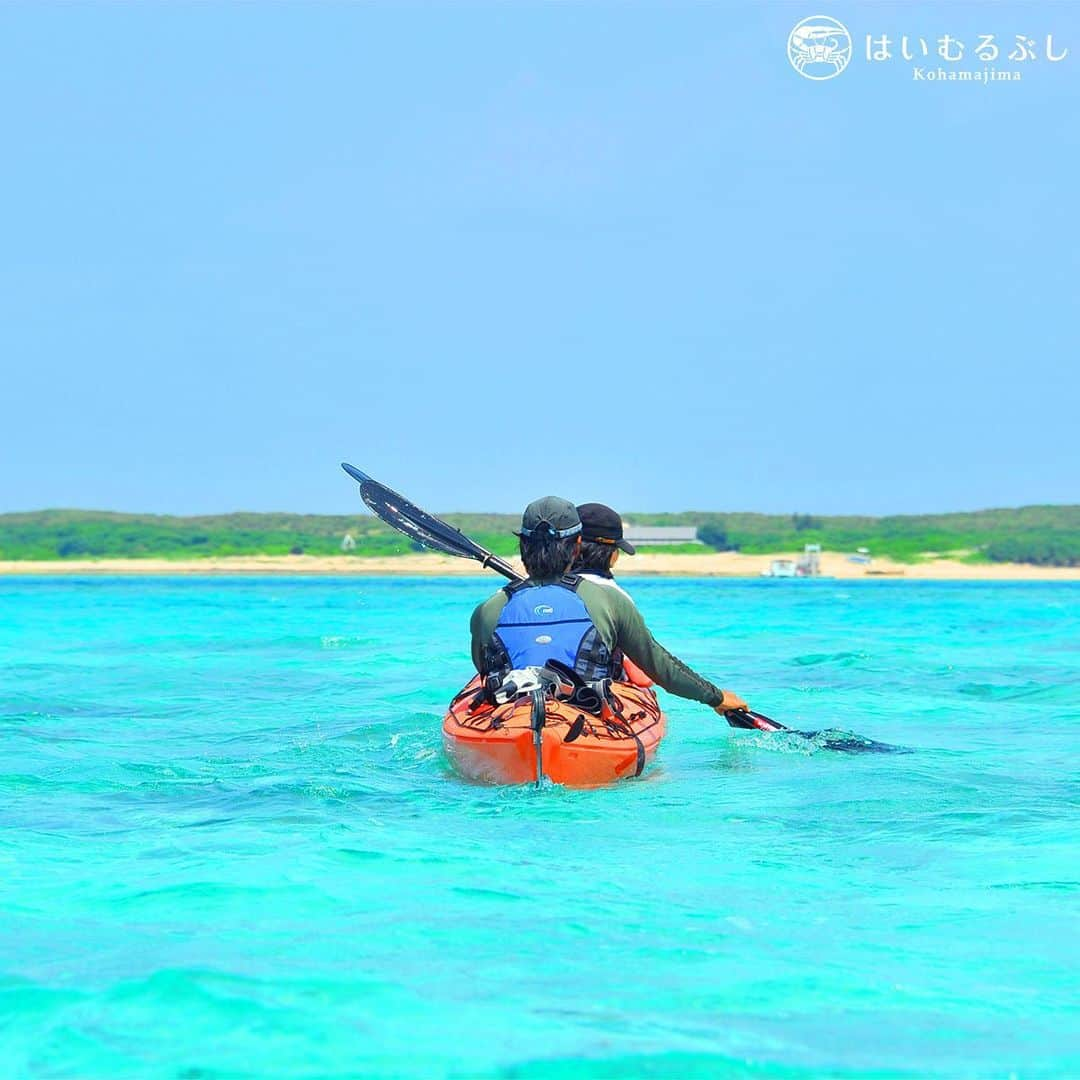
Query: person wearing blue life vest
point(558, 615)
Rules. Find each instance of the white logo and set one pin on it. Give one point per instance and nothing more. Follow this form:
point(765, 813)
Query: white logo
point(543, 609)
point(543, 639)
point(819, 47)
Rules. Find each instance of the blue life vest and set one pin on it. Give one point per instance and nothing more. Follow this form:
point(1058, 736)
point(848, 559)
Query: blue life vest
point(549, 622)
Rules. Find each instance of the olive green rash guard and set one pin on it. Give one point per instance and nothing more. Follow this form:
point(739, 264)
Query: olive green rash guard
point(621, 626)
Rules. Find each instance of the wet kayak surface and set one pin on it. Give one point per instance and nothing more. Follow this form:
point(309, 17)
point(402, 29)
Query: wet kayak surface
point(231, 844)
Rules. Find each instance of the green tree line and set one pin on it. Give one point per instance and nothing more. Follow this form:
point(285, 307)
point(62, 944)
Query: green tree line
point(1043, 535)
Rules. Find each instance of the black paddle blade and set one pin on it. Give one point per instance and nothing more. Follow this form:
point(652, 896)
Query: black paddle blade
point(355, 473)
point(842, 742)
point(419, 525)
point(845, 742)
point(410, 520)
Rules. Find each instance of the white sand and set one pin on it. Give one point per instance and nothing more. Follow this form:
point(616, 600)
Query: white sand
point(711, 564)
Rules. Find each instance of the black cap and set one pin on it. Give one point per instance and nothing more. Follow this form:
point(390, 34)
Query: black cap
point(557, 517)
point(601, 525)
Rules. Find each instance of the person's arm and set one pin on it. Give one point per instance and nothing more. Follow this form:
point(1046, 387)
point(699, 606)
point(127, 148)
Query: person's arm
point(476, 631)
point(666, 670)
point(482, 625)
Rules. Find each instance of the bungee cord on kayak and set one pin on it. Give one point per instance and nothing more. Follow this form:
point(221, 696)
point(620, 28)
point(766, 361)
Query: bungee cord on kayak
point(564, 659)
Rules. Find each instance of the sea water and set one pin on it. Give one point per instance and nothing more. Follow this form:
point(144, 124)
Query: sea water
point(231, 844)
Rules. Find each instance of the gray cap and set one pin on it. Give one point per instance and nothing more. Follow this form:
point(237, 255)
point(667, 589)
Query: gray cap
point(551, 515)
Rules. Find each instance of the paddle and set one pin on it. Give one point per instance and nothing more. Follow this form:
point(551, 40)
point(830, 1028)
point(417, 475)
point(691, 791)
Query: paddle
point(421, 526)
point(842, 742)
point(437, 535)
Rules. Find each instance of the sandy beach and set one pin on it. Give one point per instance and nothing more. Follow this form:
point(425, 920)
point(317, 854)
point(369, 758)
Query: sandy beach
point(711, 564)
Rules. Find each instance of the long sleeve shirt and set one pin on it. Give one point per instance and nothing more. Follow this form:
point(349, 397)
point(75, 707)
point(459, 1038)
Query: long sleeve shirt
point(620, 626)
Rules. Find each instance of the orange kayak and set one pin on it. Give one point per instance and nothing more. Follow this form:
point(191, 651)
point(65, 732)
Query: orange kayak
point(494, 744)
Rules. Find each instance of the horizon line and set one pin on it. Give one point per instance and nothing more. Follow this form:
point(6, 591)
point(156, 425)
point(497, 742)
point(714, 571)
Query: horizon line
point(626, 515)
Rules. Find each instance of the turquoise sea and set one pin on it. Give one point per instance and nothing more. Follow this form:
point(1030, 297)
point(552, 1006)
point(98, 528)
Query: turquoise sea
point(230, 845)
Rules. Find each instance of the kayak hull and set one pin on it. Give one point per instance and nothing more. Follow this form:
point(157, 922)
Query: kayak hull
point(495, 744)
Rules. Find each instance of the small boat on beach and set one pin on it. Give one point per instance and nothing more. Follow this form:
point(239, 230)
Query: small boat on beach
point(780, 568)
point(807, 565)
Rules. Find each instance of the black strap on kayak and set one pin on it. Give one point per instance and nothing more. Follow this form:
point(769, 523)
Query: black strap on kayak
point(575, 729)
point(623, 727)
point(565, 671)
point(539, 715)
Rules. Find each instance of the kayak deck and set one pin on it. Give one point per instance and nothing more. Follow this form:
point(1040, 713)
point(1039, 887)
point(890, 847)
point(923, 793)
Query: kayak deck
point(494, 744)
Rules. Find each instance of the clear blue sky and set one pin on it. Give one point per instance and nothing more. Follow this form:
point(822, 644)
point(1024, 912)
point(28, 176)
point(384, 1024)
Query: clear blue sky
point(615, 252)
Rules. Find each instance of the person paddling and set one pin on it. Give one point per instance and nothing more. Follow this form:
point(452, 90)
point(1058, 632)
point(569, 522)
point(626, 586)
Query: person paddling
point(572, 618)
point(601, 543)
point(432, 532)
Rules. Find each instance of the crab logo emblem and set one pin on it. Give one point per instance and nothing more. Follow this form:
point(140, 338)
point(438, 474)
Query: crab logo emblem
point(819, 47)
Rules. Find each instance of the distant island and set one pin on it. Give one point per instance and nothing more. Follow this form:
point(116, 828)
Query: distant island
point(1047, 536)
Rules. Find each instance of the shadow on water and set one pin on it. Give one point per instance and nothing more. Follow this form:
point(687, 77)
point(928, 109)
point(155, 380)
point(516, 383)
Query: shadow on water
point(788, 741)
point(847, 742)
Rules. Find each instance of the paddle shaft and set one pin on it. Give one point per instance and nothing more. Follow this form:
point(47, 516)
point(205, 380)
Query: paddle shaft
point(497, 564)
